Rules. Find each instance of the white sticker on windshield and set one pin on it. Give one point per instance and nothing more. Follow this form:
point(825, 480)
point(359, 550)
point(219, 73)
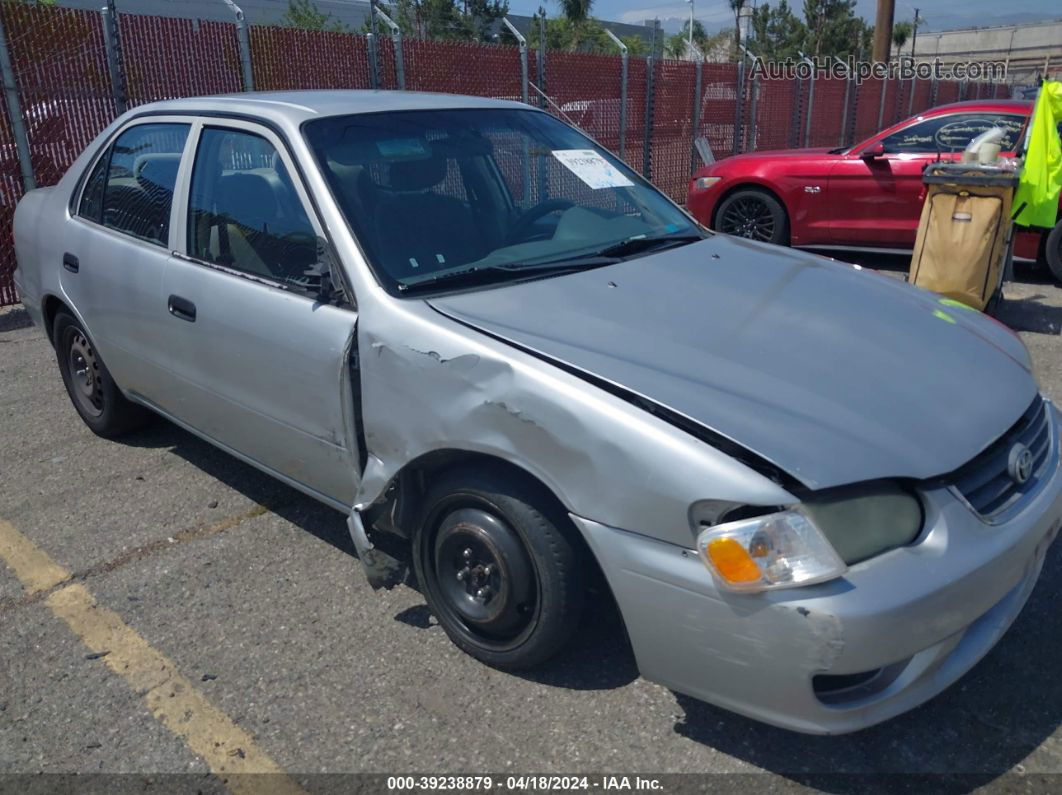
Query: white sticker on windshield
point(591, 168)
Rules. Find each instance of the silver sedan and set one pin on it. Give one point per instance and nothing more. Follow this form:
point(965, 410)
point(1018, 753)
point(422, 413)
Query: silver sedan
point(818, 496)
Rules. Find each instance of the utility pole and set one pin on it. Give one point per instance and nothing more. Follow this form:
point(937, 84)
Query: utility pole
point(883, 30)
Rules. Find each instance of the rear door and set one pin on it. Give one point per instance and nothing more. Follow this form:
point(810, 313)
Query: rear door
point(263, 365)
point(117, 245)
point(877, 201)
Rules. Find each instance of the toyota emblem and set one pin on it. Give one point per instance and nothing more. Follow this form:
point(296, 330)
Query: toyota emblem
point(1020, 463)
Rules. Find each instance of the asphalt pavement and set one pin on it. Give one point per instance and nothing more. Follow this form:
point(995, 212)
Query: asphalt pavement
point(159, 553)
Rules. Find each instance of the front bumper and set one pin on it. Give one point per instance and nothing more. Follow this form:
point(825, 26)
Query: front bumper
point(904, 625)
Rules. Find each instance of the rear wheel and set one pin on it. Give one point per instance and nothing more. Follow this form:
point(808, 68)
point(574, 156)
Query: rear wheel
point(92, 390)
point(1053, 251)
point(754, 214)
point(499, 566)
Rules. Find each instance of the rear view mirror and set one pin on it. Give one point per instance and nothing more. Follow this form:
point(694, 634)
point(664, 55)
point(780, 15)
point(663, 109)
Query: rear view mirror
point(873, 151)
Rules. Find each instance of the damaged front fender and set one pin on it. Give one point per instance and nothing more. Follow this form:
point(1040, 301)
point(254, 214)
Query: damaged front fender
point(429, 383)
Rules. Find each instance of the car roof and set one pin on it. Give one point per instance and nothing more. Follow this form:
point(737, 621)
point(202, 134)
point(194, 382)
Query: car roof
point(1012, 105)
point(294, 107)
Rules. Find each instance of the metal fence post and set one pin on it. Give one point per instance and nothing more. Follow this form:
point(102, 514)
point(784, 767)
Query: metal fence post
point(114, 64)
point(14, 114)
point(847, 102)
point(244, 40)
point(624, 59)
point(540, 59)
point(522, 42)
point(396, 38)
point(739, 110)
point(881, 103)
point(698, 69)
point(647, 138)
point(794, 122)
point(374, 65)
point(811, 104)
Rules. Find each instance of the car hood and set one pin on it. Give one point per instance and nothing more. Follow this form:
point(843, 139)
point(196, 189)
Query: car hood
point(832, 373)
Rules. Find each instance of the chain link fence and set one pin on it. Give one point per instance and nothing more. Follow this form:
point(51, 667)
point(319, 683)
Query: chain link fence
point(72, 71)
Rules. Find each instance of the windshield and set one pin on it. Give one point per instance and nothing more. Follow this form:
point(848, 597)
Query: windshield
point(502, 194)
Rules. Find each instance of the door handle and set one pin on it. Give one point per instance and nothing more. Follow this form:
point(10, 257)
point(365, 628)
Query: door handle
point(70, 262)
point(181, 308)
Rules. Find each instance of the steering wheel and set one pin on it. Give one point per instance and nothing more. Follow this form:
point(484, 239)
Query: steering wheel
point(532, 214)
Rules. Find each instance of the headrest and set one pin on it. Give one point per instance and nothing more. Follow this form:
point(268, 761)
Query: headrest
point(159, 170)
point(253, 195)
point(414, 175)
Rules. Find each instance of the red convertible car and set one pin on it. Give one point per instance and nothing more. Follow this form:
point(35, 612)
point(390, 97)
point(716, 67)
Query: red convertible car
point(867, 196)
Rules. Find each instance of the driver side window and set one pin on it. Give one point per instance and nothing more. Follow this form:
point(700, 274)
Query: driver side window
point(244, 212)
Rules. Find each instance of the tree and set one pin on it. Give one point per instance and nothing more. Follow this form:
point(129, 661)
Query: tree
point(675, 46)
point(832, 28)
point(306, 15)
point(777, 34)
point(636, 46)
point(901, 32)
point(575, 10)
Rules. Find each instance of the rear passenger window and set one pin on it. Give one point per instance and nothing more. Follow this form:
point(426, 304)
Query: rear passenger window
point(141, 176)
point(91, 206)
point(243, 209)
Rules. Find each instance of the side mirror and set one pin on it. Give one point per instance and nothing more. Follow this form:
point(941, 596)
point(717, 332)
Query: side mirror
point(873, 152)
point(318, 278)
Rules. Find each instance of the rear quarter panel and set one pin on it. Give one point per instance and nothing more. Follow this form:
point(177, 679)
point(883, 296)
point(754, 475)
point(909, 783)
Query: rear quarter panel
point(33, 227)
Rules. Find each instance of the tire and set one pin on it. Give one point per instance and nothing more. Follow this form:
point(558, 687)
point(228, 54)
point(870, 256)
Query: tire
point(754, 214)
point(499, 566)
point(93, 392)
point(1053, 251)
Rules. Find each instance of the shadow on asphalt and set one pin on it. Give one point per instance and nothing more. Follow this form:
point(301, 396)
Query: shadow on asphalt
point(1030, 313)
point(970, 735)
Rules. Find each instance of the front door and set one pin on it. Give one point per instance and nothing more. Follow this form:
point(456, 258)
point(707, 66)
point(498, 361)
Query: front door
point(876, 200)
point(263, 364)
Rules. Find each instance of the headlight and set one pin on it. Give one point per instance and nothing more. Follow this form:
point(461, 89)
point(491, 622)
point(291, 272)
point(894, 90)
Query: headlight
point(703, 183)
point(866, 519)
point(779, 550)
point(811, 542)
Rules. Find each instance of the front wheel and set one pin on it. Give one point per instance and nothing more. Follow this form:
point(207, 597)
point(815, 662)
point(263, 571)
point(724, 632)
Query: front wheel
point(754, 214)
point(499, 567)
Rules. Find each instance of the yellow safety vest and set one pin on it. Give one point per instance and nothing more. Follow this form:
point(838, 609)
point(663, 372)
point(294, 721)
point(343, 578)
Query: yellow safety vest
point(1041, 178)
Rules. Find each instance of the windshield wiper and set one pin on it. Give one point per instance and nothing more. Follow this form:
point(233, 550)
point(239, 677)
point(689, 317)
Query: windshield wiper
point(485, 274)
point(642, 243)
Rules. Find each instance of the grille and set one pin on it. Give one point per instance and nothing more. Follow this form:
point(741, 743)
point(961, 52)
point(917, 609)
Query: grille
point(985, 482)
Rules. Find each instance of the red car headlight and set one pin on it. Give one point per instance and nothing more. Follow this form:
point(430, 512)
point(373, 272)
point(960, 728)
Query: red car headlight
point(703, 183)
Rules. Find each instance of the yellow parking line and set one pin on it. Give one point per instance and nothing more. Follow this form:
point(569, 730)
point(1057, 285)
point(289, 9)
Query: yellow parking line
point(30, 564)
point(229, 751)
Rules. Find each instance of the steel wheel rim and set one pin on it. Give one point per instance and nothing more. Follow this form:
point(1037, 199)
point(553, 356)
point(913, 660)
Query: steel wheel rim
point(85, 380)
point(748, 217)
point(484, 576)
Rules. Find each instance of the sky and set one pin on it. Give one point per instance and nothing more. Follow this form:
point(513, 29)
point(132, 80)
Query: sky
point(716, 14)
